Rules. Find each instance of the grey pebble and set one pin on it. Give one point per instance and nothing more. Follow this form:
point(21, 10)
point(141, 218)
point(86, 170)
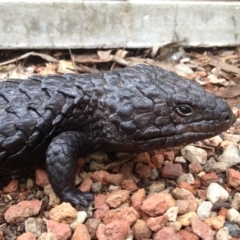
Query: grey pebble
point(96, 166)
point(98, 157)
point(96, 187)
point(29, 183)
point(213, 166)
point(34, 225)
point(233, 229)
point(154, 174)
point(157, 187)
point(186, 177)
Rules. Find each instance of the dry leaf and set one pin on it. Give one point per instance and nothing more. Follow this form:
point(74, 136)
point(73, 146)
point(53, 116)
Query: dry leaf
point(214, 80)
point(224, 66)
point(65, 67)
point(133, 61)
point(229, 91)
point(85, 58)
point(183, 69)
point(105, 55)
point(165, 65)
point(154, 51)
point(45, 57)
point(121, 53)
point(84, 69)
point(121, 61)
point(46, 70)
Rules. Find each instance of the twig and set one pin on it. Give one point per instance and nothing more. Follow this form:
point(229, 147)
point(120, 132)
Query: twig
point(26, 55)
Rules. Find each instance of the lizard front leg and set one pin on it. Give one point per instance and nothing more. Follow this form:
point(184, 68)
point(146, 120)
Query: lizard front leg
point(61, 164)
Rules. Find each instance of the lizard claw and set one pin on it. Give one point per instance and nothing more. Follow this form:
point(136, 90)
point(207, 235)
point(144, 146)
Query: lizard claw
point(76, 197)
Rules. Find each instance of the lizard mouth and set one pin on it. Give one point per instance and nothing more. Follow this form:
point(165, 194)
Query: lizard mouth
point(187, 135)
point(173, 140)
point(182, 136)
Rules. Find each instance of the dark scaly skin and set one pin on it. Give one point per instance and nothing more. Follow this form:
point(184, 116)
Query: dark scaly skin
point(142, 108)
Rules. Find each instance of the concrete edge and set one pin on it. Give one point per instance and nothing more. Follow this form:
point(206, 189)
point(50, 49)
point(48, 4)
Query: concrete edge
point(115, 24)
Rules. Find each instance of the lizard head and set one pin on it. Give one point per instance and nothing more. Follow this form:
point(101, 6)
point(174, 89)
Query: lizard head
point(150, 108)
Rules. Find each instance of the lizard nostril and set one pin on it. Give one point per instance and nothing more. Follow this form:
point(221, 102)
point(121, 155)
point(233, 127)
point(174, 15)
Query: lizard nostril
point(227, 118)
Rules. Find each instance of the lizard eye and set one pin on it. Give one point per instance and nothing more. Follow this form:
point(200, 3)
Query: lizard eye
point(184, 111)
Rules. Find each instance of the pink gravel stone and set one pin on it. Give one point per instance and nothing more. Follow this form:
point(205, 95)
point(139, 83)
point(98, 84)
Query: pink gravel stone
point(11, 187)
point(195, 168)
point(202, 229)
point(26, 236)
point(128, 214)
point(101, 206)
point(143, 171)
point(186, 235)
point(81, 232)
point(60, 230)
point(172, 171)
point(156, 223)
point(233, 178)
point(142, 158)
point(157, 160)
point(115, 230)
point(86, 185)
point(138, 198)
point(208, 178)
point(63, 213)
point(169, 155)
point(41, 178)
point(129, 184)
point(167, 233)
point(154, 205)
point(22, 210)
point(141, 230)
point(115, 198)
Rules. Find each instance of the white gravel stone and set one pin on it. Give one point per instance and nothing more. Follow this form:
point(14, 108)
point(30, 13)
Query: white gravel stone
point(186, 177)
point(47, 236)
point(216, 193)
point(222, 234)
point(180, 159)
point(194, 154)
point(113, 188)
point(236, 201)
point(215, 141)
point(204, 210)
point(175, 225)
point(230, 156)
point(233, 137)
point(233, 216)
point(81, 217)
point(172, 214)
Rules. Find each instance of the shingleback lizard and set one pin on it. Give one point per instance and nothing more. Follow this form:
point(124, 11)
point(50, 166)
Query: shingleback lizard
point(135, 109)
